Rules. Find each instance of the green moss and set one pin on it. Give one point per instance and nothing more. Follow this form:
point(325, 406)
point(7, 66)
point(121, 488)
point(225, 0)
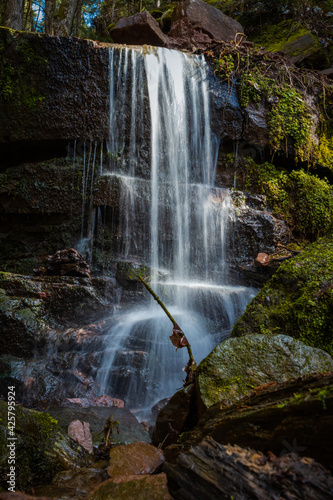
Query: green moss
point(297, 301)
point(301, 198)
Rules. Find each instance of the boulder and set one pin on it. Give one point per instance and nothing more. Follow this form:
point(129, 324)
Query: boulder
point(297, 300)
point(42, 448)
point(67, 262)
point(140, 29)
point(198, 23)
point(80, 432)
point(236, 366)
point(211, 470)
point(300, 45)
point(175, 417)
point(133, 487)
point(294, 416)
point(135, 458)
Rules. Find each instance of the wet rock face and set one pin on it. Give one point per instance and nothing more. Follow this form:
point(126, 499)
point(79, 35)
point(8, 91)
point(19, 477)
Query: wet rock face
point(139, 29)
point(234, 367)
point(65, 84)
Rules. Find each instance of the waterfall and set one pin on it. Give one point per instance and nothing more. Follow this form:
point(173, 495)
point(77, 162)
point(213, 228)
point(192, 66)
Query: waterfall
point(171, 217)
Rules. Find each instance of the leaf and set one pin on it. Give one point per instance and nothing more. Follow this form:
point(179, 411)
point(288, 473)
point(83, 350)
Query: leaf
point(178, 338)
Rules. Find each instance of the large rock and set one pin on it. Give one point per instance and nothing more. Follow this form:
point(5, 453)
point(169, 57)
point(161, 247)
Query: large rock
point(42, 448)
point(236, 366)
point(294, 416)
point(177, 416)
point(298, 300)
point(140, 29)
point(132, 487)
point(135, 458)
point(56, 91)
point(67, 262)
point(198, 23)
point(211, 470)
point(297, 42)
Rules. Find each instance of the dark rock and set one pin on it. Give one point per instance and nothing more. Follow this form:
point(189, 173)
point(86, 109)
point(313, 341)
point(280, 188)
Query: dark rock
point(140, 29)
point(134, 458)
point(294, 416)
point(139, 487)
point(197, 23)
point(61, 100)
point(67, 263)
point(158, 407)
point(233, 368)
point(211, 470)
point(178, 415)
point(84, 480)
point(42, 448)
point(328, 72)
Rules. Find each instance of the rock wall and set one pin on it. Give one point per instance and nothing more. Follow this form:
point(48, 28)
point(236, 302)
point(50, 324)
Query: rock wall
point(53, 90)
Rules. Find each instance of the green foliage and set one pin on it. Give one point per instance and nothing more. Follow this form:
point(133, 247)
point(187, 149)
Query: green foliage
point(302, 199)
point(297, 301)
point(288, 116)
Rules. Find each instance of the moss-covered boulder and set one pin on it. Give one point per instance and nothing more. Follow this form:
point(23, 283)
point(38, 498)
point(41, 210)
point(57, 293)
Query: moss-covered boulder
point(297, 301)
point(296, 41)
point(42, 448)
point(235, 367)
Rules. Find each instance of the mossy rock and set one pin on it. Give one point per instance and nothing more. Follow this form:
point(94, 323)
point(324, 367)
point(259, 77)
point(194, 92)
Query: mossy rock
point(42, 448)
point(297, 42)
point(235, 367)
point(297, 301)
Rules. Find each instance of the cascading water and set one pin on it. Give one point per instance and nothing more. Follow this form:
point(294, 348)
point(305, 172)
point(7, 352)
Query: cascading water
point(172, 218)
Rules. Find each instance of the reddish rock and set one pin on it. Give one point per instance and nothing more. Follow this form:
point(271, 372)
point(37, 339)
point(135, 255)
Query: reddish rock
point(133, 487)
point(135, 458)
point(201, 23)
point(80, 432)
point(105, 400)
point(67, 263)
point(139, 29)
point(262, 259)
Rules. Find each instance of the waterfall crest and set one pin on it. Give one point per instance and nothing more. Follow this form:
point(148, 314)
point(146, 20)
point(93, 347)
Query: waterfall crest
point(171, 217)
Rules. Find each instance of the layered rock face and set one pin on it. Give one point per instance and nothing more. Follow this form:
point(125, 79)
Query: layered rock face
point(47, 96)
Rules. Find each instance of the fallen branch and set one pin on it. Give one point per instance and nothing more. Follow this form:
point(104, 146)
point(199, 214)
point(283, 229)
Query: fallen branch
point(178, 337)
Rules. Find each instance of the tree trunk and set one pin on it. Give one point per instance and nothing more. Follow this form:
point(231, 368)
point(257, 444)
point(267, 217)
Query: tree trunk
point(49, 13)
point(14, 14)
point(63, 19)
point(78, 16)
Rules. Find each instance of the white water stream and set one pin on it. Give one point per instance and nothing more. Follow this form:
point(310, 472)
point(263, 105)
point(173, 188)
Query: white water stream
point(172, 218)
